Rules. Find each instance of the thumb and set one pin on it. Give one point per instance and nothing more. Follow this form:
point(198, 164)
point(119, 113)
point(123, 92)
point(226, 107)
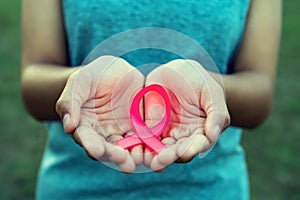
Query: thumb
point(69, 104)
point(218, 118)
point(69, 112)
point(214, 125)
point(213, 102)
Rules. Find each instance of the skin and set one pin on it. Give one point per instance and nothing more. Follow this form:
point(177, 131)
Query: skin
point(249, 89)
point(198, 111)
point(96, 110)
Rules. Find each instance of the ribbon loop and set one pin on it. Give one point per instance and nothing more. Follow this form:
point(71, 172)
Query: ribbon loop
point(143, 134)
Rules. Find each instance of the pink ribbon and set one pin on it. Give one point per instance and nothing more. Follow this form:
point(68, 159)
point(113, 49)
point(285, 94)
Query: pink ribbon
point(143, 134)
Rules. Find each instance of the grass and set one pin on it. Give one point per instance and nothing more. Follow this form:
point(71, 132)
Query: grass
point(272, 149)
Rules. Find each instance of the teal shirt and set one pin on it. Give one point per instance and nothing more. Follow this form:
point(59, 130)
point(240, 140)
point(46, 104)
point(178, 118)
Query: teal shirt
point(67, 173)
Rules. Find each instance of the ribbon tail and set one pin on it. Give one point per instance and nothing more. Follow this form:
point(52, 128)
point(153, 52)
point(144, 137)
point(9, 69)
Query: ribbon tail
point(145, 134)
point(129, 141)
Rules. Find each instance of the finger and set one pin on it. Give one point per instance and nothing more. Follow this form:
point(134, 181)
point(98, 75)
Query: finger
point(137, 154)
point(191, 146)
point(120, 156)
point(205, 152)
point(215, 123)
point(148, 156)
point(93, 144)
point(164, 158)
point(214, 105)
point(168, 141)
point(160, 170)
point(99, 149)
point(69, 111)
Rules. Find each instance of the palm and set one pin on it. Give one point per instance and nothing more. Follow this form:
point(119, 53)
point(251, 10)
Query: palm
point(101, 93)
point(185, 135)
point(95, 106)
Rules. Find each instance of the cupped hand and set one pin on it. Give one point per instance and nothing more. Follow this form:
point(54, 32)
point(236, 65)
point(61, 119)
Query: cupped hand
point(198, 112)
point(94, 108)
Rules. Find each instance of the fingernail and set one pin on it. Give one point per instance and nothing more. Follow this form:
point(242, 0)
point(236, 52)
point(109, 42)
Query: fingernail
point(66, 119)
point(215, 134)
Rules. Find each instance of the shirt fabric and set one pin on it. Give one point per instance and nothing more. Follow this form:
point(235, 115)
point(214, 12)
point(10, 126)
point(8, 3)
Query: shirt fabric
point(67, 173)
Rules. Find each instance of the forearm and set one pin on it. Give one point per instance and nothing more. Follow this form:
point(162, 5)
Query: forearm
point(249, 90)
point(41, 86)
point(249, 97)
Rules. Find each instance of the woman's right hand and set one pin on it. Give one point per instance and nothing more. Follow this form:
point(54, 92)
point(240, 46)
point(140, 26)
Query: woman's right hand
point(94, 108)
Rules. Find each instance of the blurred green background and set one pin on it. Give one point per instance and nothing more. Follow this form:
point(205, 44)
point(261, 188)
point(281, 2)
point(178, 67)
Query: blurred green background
point(272, 150)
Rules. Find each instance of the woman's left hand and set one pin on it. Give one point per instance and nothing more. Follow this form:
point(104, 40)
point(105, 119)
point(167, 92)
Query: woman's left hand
point(198, 112)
